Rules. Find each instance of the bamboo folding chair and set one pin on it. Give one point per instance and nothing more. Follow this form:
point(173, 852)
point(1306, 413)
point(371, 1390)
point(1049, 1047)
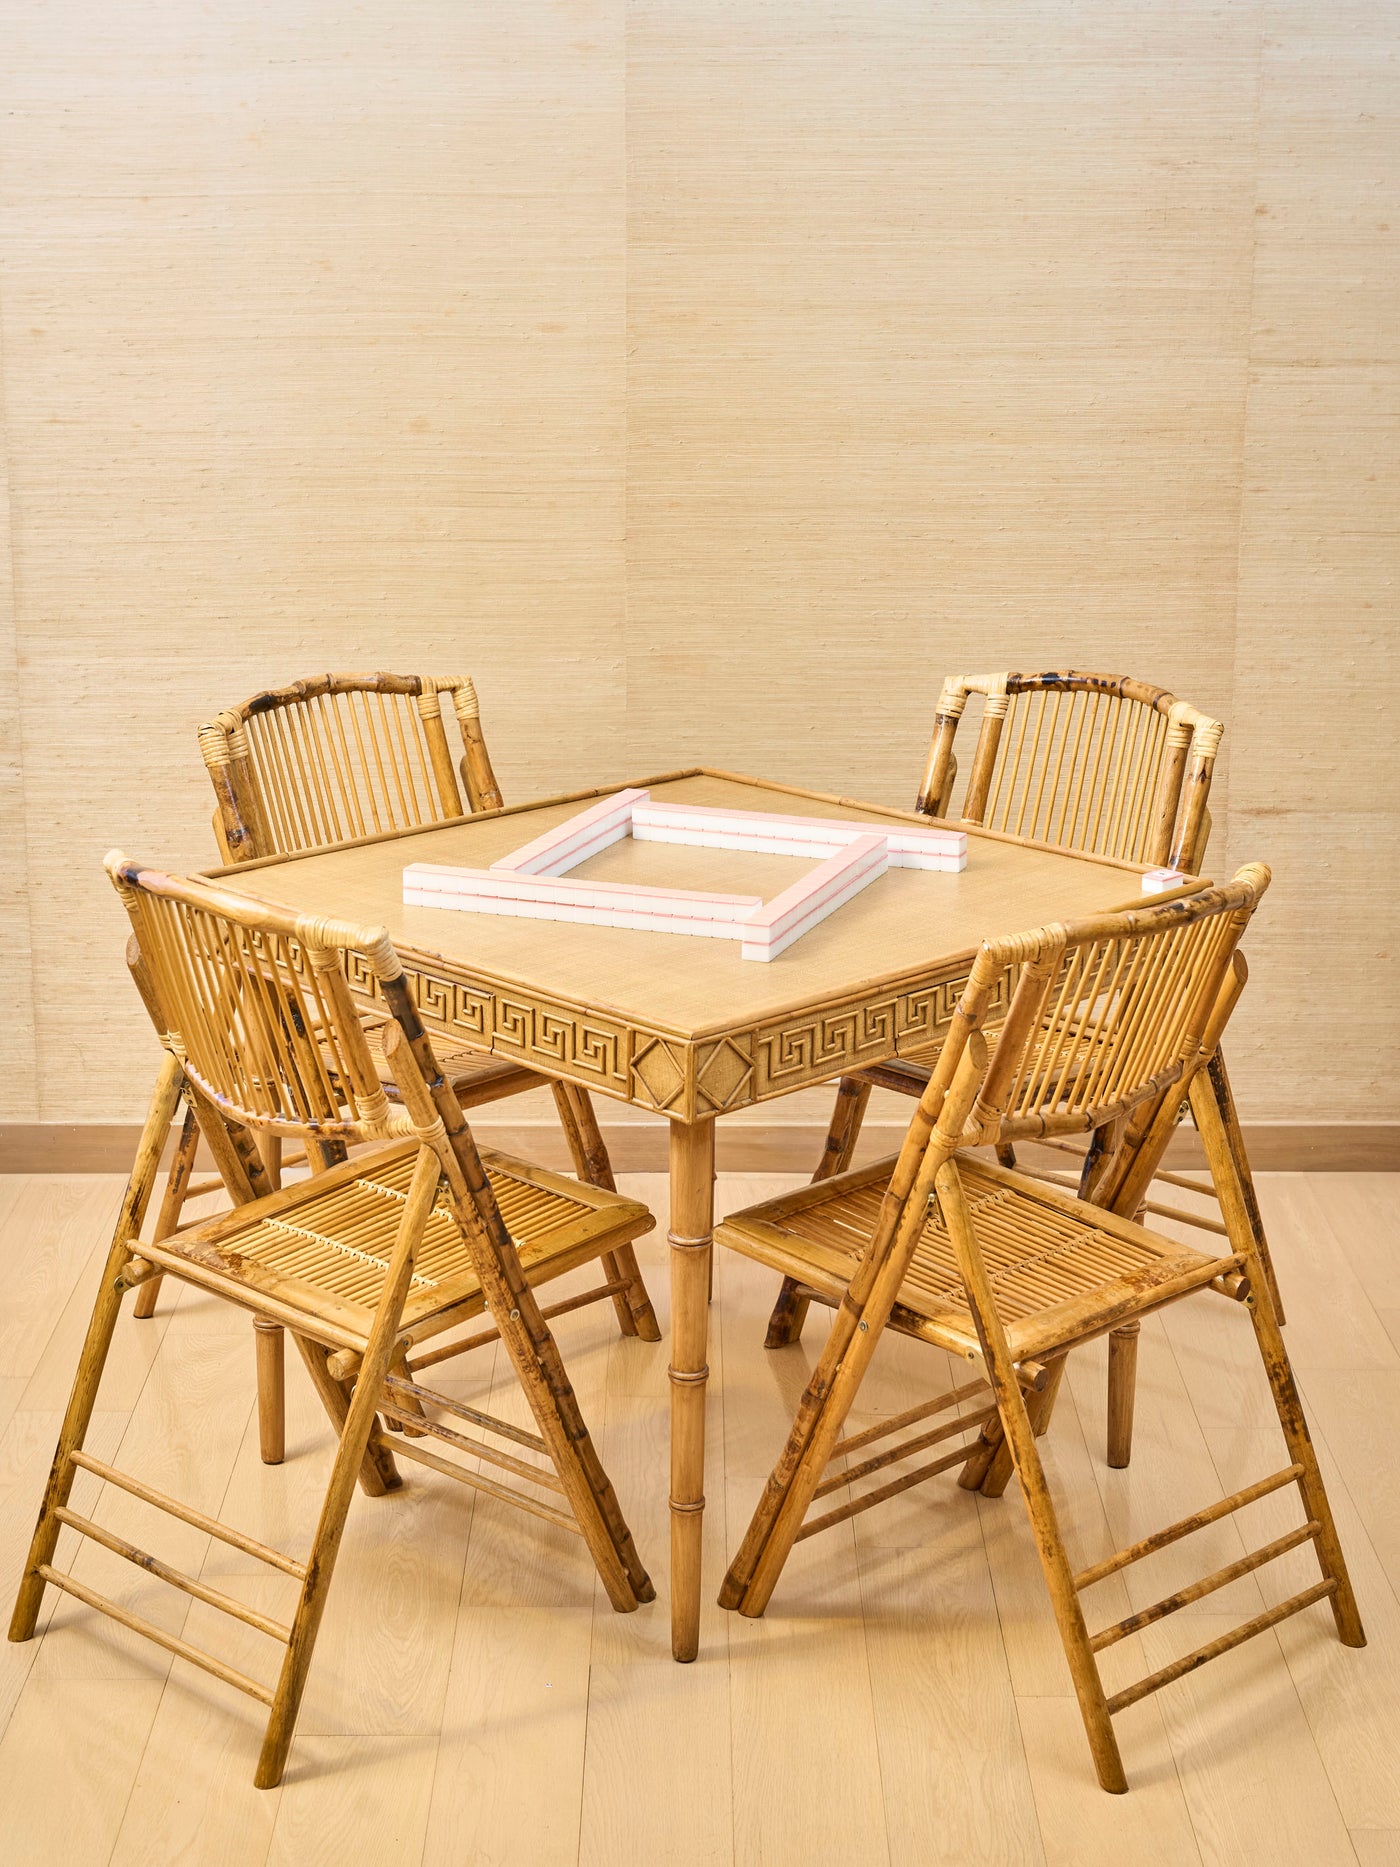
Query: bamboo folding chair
point(363, 1261)
point(1108, 1023)
point(1096, 762)
point(325, 761)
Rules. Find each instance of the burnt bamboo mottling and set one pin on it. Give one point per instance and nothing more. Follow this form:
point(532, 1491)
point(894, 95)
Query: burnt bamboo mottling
point(1094, 762)
point(334, 758)
point(406, 1237)
point(1110, 1021)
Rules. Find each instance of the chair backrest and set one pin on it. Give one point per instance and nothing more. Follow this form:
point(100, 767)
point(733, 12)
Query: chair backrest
point(256, 1005)
point(1097, 762)
point(1106, 1015)
point(341, 756)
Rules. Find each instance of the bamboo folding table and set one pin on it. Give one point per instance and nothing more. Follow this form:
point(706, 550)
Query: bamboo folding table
point(682, 1026)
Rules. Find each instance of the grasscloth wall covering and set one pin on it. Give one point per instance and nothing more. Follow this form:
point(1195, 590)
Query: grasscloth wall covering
point(707, 379)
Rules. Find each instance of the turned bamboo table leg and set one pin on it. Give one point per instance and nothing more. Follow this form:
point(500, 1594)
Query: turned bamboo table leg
point(692, 1220)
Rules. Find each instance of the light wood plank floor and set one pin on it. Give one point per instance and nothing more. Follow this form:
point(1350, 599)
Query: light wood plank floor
point(474, 1699)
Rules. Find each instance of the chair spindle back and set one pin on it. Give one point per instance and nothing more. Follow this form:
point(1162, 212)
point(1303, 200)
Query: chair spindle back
point(1109, 1012)
point(1097, 762)
point(342, 756)
point(256, 1005)
point(1106, 1015)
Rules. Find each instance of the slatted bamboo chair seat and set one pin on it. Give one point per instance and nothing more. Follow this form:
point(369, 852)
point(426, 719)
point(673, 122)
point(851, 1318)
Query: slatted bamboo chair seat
point(332, 1238)
point(1057, 1272)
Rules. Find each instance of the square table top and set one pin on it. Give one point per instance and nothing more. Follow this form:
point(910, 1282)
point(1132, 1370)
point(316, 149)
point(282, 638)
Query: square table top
point(680, 1023)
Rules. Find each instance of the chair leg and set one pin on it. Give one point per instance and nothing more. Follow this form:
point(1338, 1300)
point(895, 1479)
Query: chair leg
point(541, 1372)
point(1020, 1435)
point(635, 1315)
point(268, 1344)
point(1122, 1392)
point(378, 1472)
point(525, 1335)
point(992, 1458)
point(1211, 1125)
point(270, 1147)
point(777, 1519)
point(1219, 1082)
point(1103, 1145)
point(852, 1100)
point(1059, 1578)
point(352, 1454)
point(539, 1368)
point(146, 1294)
point(788, 1315)
point(96, 1343)
point(984, 1455)
point(1314, 1494)
point(75, 1424)
point(171, 1205)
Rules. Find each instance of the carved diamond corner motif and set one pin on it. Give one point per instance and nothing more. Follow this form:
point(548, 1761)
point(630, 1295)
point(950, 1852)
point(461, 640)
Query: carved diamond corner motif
point(659, 1074)
point(723, 1074)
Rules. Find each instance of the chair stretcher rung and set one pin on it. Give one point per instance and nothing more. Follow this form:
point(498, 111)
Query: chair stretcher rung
point(1214, 1648)
point(1070, 1181)
point(904, 1483)
point(142, 1559)
point(1187, 1527)
point(483, 1336)
point(478, 1448)
point(486, 1421)
point(172, 1644)
point(199, 1188)
point(1171, 1179)
point(1187, 1186)
point(1061, 1147)
point(906, 1449)
point(1051, 1176)
point(259, 1302)
point(210, 1525)
point(1206, 1586)
point(1186, 1218)
point(477, 1480)
point(899, 1421)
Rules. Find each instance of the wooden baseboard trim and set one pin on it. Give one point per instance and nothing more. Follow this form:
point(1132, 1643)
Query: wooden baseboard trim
point(741, 1146)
